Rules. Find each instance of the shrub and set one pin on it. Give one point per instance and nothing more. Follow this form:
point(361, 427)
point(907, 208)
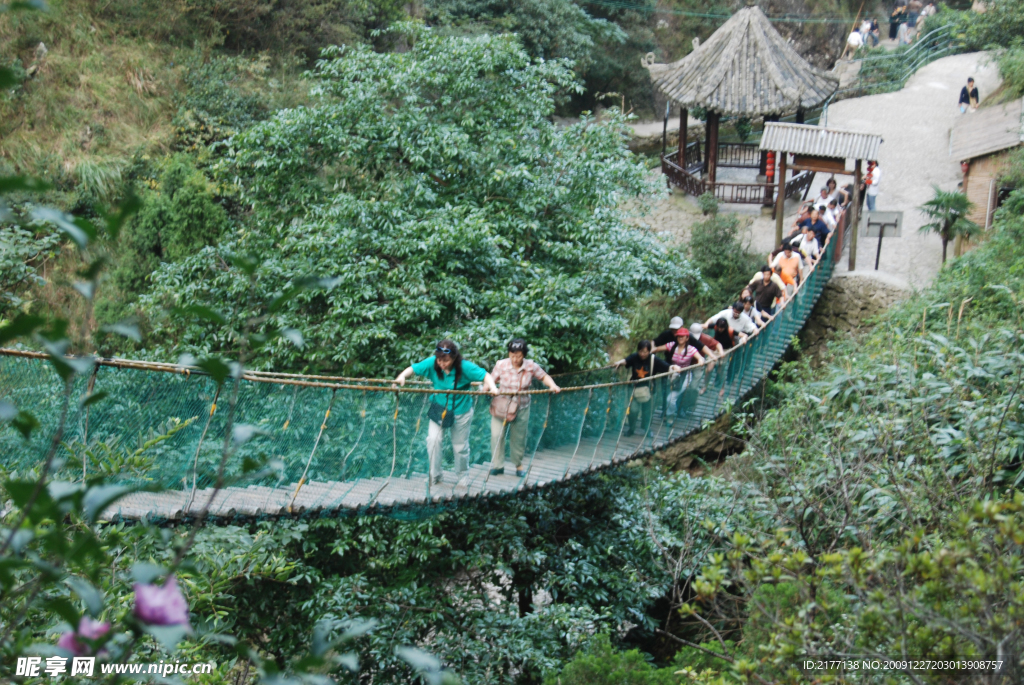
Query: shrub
point(602, 665)
point(20, 252)
point(1011, 68)
point(215, 104)
point(708, 204)
point(725, 262)
point(179, 218)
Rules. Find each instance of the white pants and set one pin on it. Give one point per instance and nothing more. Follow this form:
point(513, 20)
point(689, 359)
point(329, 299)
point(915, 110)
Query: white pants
point(675, 395)
point(460, 443)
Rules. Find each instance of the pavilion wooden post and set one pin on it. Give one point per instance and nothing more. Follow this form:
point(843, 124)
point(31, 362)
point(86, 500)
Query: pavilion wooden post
point(854, 225)
point(711, 153)
point(800, 115)
point(683, 116)
point(780, 201)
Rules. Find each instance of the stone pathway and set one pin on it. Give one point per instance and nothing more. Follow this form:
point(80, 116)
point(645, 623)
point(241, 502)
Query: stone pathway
point(914, 123)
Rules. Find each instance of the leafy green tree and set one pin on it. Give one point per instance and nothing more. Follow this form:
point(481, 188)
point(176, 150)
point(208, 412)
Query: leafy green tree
point(948, 213)
point(999, 26)
point(176, 221)
point(436, 190)
point(601, 664)
point(551, 29)
point(20, 252)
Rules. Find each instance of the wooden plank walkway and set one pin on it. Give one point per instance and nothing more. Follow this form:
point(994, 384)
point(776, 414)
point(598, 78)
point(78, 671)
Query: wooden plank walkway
point(546, 467)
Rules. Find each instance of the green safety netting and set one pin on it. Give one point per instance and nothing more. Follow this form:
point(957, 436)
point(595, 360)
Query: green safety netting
point(339, 445)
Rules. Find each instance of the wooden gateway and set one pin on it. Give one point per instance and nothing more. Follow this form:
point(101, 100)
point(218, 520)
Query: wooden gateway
point(814, 150)
point(745, 69)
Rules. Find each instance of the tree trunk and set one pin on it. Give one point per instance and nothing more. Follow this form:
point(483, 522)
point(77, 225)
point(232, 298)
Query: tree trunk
point(945, 241)
point(525, 601)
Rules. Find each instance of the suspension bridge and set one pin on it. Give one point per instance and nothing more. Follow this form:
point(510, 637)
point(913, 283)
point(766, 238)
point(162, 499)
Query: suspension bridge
point(334, 445)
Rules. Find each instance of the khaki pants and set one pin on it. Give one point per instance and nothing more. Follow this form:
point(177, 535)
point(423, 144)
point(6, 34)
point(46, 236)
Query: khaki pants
point(460, 443)
point(638, 409)
point(517, 432)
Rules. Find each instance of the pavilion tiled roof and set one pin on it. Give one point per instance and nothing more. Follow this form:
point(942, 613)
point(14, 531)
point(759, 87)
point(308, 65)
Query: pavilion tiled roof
point(744, 69)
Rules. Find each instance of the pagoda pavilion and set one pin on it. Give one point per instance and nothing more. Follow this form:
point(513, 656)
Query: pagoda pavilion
point(745, 69)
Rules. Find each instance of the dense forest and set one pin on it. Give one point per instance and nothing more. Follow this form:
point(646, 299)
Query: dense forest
point(331, 186)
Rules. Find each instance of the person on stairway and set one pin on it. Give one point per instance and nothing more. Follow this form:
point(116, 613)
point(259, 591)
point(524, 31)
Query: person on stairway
point(739, 323)
point(511, 415)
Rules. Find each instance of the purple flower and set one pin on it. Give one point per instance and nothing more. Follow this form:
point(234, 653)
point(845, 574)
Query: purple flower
point(161, 606)
point(88, 629)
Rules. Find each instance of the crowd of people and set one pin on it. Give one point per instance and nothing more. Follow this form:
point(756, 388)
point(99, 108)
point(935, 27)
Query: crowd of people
point(768, 289)
point(906, 22)
point(681, 347)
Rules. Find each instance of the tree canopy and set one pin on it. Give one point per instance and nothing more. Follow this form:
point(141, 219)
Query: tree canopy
point(435, 190)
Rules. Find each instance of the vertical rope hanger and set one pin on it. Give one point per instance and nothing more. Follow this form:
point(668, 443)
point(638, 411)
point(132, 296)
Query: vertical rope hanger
point(412, 440)
point(316, 443)
point(625, 415)
point(579, 439)
point(604, 428)
point(195, 459)
point(362, 429)
point(540, 438)
point(85, 431)
point(394, 451)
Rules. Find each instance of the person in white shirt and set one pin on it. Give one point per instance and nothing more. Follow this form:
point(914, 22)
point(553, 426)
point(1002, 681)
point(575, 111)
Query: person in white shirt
point(821, 202)
point(855, 41)
point(808, 246)
point(739, 323)
point(871, 180)
point(831, 215)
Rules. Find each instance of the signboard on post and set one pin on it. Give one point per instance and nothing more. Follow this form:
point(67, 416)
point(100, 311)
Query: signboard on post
point(881, 225)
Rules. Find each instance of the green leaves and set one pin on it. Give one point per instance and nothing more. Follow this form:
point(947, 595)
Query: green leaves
point(484, 221)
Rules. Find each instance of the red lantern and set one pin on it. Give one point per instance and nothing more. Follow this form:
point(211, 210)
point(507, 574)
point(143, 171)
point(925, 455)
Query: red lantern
point(965, 166)
point(769, 167)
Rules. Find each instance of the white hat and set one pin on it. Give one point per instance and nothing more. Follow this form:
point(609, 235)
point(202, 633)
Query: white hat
point(676, 322)
point(696, 329)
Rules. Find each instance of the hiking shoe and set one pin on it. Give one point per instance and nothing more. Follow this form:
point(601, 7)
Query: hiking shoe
point(520, 472)
point(438, 479)
point(498, 472)
point(629, 433)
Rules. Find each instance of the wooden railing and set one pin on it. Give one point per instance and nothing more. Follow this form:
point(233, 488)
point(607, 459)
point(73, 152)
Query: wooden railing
point(679, 177)
point(799, 184)
point(742, 193)
point(739, 155)
point(692, 184)
point(693, 157)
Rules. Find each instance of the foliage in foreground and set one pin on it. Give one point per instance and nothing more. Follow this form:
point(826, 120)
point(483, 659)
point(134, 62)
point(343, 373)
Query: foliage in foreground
point(876, 512)
point(894, 479)
point(440, 200)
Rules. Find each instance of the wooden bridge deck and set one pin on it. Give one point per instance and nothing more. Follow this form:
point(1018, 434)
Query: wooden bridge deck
point(547, 466)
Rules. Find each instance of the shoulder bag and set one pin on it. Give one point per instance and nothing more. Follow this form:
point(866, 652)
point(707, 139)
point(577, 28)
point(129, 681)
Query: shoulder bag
point(642, 393)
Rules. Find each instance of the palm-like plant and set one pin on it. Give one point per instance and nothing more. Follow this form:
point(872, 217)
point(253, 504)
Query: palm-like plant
point(948, 213)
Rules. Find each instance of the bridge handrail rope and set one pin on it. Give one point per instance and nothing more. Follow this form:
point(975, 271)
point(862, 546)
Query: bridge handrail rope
point(300, 380)
point(350, 459)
